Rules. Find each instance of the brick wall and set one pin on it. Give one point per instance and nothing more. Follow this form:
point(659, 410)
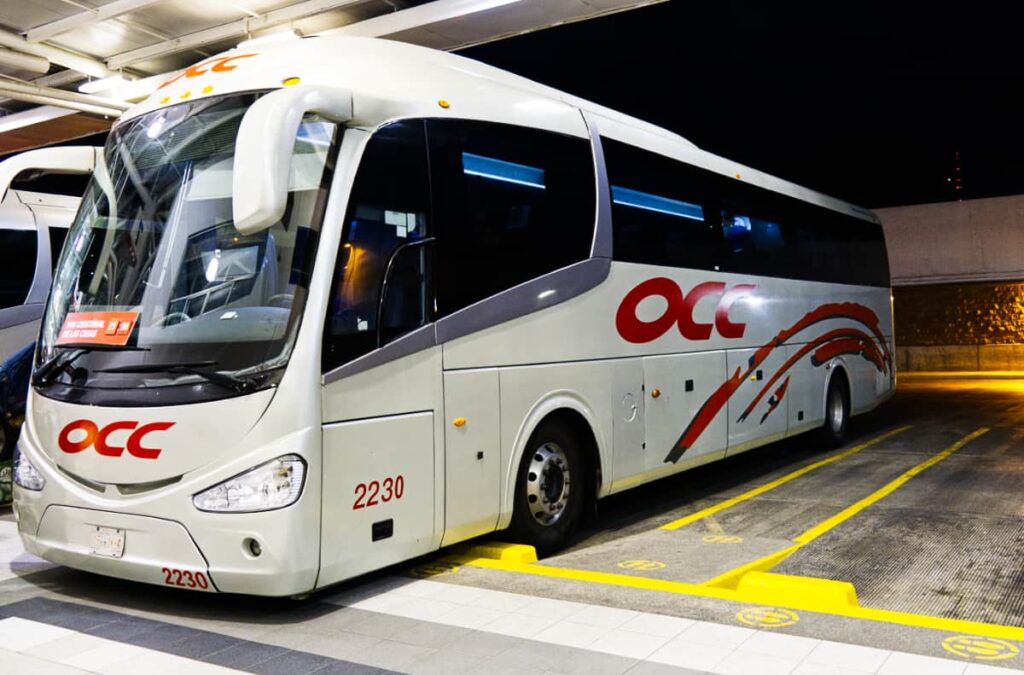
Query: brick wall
point(984, 313)
point(964, 326)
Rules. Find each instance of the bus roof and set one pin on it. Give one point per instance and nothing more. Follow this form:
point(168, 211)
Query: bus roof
point(391, 80)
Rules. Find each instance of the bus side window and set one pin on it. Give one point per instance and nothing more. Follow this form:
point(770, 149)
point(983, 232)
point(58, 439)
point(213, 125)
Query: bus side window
point(511, 204)
point(389, 207)
point(18, 266)
point(660, 210)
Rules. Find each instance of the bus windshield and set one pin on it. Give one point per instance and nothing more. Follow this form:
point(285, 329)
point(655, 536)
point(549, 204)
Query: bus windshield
point(155, 286)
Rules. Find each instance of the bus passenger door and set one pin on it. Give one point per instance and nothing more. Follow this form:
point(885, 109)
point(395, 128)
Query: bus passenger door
point(759, 408)
point(472, 454)
point(382, 394)
point(675, 388)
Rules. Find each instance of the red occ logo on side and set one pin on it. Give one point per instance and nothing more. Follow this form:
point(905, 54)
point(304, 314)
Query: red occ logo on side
point(679, 311)
point(82, 434)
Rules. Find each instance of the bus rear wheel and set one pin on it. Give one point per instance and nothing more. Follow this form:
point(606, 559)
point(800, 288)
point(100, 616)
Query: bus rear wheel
point(837, 411)
point(550, 487)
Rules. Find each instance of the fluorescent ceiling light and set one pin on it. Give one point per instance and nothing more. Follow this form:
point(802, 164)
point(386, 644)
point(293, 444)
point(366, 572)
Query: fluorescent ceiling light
point(103, 84)
point(32, 116)
point(497, 169)
point(649, 202)
point(278, 36)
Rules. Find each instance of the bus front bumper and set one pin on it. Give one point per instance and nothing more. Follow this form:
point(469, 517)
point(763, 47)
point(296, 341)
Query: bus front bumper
point(138, 548)
point(161, 551)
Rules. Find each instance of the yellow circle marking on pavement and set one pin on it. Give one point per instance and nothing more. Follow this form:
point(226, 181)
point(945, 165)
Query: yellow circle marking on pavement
point(722, 539)
point(767, 617)
point(642, 565)
point(434, 569)
point(980, 648)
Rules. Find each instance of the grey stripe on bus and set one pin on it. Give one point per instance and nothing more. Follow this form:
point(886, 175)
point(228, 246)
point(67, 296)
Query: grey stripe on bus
point(526, 298)
point(602, 245)
point(15, 316)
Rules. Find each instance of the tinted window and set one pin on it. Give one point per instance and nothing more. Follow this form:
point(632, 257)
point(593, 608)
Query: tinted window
point(57, 237)
point(755, 224)
point(510, 205)
point(663, 211)
point(17, 265)
point(387, 211)
point(667, 212)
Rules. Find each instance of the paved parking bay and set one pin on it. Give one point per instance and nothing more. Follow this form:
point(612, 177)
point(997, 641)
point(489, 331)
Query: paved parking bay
point(900, 552)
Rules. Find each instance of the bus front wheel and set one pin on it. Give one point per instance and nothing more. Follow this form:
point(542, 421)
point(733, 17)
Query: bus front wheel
point(837, 411)
point(550, 487)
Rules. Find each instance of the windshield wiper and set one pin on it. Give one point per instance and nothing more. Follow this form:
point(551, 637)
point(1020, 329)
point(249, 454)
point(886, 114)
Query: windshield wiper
point(44, 374)
point(235, 383)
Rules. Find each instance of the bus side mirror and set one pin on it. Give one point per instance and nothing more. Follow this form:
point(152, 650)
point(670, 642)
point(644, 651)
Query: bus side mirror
point(264, 145)
point(72, 159)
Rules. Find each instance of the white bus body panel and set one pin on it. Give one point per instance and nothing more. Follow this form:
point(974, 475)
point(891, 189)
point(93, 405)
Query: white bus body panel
point(683, 382)
point(472, 454)
point(580, 335)
point(389, 464)
point(382, 423)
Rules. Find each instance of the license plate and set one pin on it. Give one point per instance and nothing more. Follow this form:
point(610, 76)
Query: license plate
point(108, 541)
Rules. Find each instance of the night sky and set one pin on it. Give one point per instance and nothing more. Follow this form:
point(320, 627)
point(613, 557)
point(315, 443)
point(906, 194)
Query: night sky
point(863, 101)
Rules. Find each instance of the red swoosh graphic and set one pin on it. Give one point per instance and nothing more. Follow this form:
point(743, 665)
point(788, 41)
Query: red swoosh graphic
point(776, 399)
point(714, 404)
point(811, 346)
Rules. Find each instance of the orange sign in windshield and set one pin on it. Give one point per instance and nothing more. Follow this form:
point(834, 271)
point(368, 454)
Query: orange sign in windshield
point(97, 328)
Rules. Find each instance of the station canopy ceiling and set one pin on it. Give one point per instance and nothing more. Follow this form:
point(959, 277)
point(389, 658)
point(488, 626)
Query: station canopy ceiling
point(120, 49)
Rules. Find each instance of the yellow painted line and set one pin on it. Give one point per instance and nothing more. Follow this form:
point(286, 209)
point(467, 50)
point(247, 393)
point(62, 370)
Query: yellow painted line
point(849, 512)
point(729, 503)
point(518, 553)
point(696, 590)
point(771, 588)
point(728, 587)
point(731, 579)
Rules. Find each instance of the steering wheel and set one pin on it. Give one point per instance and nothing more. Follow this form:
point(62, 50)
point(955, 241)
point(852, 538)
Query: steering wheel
point(283, 300)
point(181, 316)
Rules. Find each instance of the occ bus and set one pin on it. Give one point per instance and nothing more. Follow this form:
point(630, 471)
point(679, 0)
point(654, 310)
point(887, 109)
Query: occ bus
point(336, 303)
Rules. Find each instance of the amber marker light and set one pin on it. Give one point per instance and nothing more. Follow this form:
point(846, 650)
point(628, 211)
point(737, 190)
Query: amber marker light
point(444, 103)
point(459, 421)
point(291, 81)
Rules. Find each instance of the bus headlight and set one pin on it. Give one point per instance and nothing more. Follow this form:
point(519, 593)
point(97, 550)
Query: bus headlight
point(25, 475)
point(273, 485)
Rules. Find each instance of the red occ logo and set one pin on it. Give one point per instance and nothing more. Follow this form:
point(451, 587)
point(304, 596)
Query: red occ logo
point(679, 311)
point(220, 64)
point(88, 433)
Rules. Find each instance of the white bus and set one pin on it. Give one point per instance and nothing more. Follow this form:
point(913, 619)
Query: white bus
point(335, 303)
point(33, 226)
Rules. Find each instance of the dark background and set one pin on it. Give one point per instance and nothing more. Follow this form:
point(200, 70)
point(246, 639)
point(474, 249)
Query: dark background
point(866, 101)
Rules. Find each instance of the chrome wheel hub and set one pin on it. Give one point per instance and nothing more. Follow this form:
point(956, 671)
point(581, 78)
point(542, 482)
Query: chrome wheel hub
point(548, 484)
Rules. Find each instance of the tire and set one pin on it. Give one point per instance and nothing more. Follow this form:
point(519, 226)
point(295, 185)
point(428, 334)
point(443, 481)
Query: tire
point(551, 487)
point(837, 411)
